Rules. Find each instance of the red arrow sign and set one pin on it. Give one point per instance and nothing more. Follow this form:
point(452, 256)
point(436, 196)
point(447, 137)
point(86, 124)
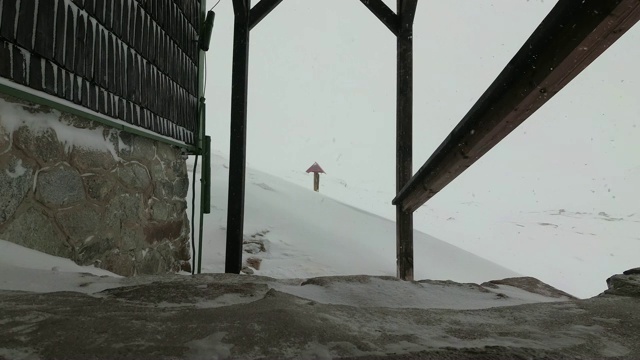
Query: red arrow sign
point(315, 168)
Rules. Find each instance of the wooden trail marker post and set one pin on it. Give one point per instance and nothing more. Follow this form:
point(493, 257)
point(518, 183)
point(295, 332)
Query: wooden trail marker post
point(316, 170)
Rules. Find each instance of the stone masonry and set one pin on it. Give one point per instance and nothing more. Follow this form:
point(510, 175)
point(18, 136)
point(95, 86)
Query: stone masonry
point(73, 188)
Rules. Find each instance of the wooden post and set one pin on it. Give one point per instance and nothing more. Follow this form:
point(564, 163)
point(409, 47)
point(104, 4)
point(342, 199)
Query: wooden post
point(401, 25)
point(238, 149)
point(404, 135)
point(316, 170)
point(246, 18)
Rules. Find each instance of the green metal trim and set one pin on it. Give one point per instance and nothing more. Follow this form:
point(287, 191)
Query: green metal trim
point(205, 192)
point(34, 98)
point(206, 175)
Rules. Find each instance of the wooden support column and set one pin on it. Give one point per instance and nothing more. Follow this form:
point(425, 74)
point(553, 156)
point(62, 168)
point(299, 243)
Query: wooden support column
point(245, 19)
point(404, 135)
point(401, 25)
point(238, 146)
point(261, 10)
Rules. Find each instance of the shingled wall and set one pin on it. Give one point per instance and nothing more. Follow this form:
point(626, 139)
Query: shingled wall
point(134, 60)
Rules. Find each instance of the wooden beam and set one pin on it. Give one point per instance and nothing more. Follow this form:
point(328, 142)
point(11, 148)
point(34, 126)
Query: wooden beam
point(408, 11)
point(241, 7)
point(245, 20)
point(261, 10)
point(570, 38)
point(316, 181)
point(238, 138)
point(404, 135)
point(382, 12)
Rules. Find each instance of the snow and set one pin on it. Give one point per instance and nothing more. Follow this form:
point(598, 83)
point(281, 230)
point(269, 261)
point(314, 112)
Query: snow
point(569, 253)
point(24, 269)
point(575, 253)
point(17, 170)
point(308, 234)
point(571, 250)
point(18, 256)
point(72, 105)
point(302, 234)
point(299, 234)
point(573, 242)
point(16, 116)
point(376, 292)
point(327, 95)
point(26, 66)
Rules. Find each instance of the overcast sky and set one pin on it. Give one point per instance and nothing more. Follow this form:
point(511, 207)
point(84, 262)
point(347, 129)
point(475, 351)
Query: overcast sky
point(322, 88)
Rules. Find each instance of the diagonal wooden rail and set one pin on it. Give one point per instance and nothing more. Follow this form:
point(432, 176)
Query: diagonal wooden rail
point(260, 10)
point(384, 14)
point(570, 38)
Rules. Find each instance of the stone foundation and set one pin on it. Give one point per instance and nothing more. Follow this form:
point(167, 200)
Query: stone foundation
point(74, 188)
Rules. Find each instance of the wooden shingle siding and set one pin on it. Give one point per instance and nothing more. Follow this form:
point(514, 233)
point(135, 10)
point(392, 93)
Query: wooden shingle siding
point(60, 32)
point(128, 59)
point(5, 53)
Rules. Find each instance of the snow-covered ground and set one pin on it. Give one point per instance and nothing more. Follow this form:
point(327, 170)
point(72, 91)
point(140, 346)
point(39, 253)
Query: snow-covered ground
point(573, 249)
point(326, 94)
point(307, 234)
point(299, 234)
point(220, 316)
point(296, 232)
point(508, 226)
point(24, 269)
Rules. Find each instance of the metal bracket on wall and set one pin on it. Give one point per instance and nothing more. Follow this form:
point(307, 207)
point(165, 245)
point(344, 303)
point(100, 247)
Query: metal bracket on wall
point(206, 176)
point(205, 194)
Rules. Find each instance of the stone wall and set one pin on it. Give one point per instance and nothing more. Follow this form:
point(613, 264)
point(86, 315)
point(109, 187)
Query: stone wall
point(74, 188)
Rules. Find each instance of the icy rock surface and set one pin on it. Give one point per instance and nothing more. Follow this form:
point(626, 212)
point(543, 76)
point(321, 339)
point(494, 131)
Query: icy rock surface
point(235, 316)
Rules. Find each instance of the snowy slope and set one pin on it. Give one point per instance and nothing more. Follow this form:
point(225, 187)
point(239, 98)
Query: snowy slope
point(326, 95)
point(308, 234)
point(573, 248)
point(23, 269)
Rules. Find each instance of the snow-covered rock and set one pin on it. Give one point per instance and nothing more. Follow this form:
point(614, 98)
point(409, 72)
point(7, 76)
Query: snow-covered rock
point(220, 316)
point(626, 284)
